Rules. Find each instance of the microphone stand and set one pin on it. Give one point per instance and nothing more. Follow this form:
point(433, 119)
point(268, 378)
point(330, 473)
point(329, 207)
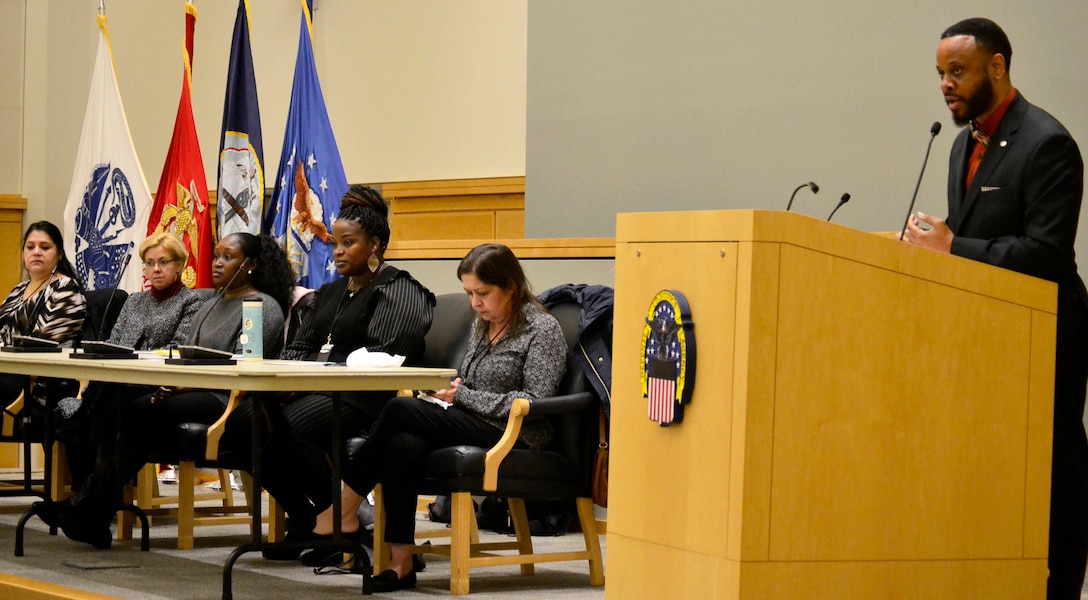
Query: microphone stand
point(845, 198)
point(815, 189)
point(933, 131)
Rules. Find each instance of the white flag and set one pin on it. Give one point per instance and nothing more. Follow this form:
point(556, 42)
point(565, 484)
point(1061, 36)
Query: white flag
point(109, 200)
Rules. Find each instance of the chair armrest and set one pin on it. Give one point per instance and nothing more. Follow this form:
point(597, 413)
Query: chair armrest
point(542, 407)
point(10, 411)
point(557, 405)
point(518, 410)
point(215, 430)
point(7, 429)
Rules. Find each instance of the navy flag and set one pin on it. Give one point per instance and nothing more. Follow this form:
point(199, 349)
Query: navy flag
point(241, 152)
point(310, 178)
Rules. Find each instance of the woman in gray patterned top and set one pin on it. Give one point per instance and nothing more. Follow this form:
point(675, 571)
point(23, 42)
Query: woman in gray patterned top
point(244, 265)
point(148, 320)
point(517, 351)
point(163, 314)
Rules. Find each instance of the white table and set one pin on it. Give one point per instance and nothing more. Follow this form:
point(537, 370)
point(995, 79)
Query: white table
point(249, 376)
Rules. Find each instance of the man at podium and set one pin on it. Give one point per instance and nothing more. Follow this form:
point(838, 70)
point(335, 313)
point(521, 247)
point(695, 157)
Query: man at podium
point(1015, 180)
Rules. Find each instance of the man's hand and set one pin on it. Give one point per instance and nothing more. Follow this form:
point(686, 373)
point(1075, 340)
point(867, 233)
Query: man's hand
point(938, 237)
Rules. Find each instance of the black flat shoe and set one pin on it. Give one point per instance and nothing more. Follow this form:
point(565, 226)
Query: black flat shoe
point(84, 526)
point(388, 581)
point(324, 557)
point(50, 512)
point(307, 537)
point(324, 562)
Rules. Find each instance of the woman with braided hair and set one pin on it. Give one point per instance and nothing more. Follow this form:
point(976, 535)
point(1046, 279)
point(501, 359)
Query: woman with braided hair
point(374, 306)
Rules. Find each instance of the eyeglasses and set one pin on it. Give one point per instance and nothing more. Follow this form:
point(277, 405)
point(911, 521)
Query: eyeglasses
point(162, 264)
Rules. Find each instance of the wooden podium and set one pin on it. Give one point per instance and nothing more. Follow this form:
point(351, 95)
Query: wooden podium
point(869, 419)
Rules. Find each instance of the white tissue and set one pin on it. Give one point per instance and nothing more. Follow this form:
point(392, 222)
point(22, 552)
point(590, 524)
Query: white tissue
point(429, 398)
point(364, 359)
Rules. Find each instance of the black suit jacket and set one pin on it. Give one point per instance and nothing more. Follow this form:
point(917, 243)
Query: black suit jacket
point(1023, 205)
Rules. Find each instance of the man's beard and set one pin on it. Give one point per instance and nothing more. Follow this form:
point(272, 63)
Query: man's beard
point(977, 104)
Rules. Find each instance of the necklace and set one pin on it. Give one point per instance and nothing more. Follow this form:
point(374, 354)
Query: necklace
point(30, 294)
point(326, 349)
point(481, 352)
point(351, 282)
point(492, 339)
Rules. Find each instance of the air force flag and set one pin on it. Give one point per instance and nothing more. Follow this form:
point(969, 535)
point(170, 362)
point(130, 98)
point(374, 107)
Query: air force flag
point(108, 201)
point(310, 180)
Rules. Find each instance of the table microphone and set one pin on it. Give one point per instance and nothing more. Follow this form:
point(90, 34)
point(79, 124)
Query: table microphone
point(845, 198)
point(815, 189)
point(113, 292)
point(933, 131)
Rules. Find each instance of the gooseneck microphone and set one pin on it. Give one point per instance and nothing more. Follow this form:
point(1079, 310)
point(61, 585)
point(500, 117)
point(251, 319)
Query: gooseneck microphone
point(845, 198)
point(113, 292)
point(218, 296)
point(812, 186)
point(933, 131)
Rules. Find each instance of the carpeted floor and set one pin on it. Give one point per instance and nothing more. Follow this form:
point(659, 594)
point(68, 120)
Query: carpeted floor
point(167, 573)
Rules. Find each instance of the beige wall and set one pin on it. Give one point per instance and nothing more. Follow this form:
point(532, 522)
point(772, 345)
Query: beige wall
point(423, 89)
point(11, 94)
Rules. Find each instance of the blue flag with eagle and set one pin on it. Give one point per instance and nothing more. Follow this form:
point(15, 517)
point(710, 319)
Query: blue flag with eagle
point(310, 178)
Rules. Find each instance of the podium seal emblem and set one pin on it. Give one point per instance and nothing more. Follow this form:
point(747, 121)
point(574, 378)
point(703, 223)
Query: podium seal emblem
point(668, 357)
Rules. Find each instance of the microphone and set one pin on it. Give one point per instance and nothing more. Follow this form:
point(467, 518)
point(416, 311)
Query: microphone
point(815, 189)
point(933, 131)
point(218, 296)
point(113, 292)
point(845, 198)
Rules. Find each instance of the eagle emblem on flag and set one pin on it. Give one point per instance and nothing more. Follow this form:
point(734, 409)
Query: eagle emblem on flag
point(668, 357)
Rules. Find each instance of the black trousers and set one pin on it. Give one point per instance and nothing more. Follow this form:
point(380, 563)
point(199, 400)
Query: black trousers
point(1068, 552)
point(407, 430)
point(295, 457)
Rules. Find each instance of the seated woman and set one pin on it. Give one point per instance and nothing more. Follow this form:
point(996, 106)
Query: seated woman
point(517, 350)
point(163, 314)
point(156, 318)
point(49, 305)
point(243, 265)
point(374, 306)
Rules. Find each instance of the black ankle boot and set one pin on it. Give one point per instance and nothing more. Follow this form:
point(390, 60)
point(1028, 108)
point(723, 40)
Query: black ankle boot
point(50, 512)
point(89, 526)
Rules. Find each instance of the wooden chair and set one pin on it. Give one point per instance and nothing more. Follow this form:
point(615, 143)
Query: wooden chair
point(195, 446)
point(20, 426)
point(562, 471)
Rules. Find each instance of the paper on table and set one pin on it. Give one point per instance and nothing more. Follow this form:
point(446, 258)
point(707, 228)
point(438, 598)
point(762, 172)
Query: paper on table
point(364, 359)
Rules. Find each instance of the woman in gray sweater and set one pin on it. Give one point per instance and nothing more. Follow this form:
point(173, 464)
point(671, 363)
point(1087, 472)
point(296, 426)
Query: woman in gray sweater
point(244, 265)
point(152, 319)
point(163, 314)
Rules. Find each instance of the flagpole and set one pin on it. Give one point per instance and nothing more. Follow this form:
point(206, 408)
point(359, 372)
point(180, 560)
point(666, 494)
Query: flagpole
point(102, 7)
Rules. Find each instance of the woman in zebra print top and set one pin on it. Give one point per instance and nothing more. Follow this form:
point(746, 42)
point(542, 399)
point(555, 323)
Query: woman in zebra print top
point(49, 305)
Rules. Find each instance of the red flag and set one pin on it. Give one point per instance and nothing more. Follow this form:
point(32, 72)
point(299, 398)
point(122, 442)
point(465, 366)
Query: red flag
point(181, 202)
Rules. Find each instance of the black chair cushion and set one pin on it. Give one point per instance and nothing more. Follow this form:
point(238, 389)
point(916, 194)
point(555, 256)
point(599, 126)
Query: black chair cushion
point(528, 474)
